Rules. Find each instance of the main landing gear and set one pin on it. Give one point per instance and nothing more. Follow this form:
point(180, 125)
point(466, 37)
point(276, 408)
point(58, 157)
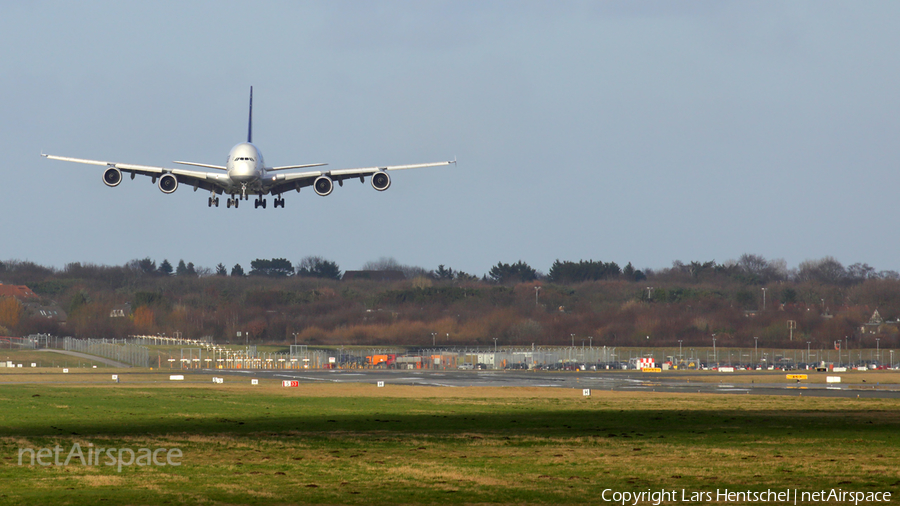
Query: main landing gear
point(213, 201)
point(261, 202)
point(234, 200)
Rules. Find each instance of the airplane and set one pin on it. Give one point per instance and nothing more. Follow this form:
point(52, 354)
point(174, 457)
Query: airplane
point(245, 174)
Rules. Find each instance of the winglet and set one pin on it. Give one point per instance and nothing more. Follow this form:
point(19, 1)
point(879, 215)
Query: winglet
point(42, 154)
point(250, 121)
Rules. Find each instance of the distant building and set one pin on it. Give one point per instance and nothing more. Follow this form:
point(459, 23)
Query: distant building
point(21, 292)
point(876, 319)
point(32, 304)
point(49, 310)
point(121, 311)
point(876, 325)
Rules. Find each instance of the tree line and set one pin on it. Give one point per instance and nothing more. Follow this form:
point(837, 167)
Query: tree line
point(280, 301)
point(749, 269)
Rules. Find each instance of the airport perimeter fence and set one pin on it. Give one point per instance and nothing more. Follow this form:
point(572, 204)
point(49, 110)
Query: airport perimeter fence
point(201, 353)
point(539, 357)
point(160, 340)
point(303, 357)
point(115, 349)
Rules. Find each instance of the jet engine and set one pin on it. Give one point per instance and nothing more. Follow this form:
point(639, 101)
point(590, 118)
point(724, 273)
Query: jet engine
point(112, 176)
point(323, 185)
point(167, 183)
point(381, 181)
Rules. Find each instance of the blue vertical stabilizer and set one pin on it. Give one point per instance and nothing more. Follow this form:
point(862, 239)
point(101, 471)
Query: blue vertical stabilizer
point(250, 121)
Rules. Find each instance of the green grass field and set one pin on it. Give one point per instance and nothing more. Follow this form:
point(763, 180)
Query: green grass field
point(43, 359)
point(359, 444)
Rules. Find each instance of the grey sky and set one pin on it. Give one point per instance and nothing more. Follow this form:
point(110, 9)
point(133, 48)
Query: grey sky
point(617, 131)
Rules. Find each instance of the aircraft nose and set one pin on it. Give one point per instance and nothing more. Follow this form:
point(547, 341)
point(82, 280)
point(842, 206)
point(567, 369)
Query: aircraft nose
point(243, 171)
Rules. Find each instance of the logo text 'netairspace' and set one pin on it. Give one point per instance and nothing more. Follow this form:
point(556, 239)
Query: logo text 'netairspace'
point(117, 457)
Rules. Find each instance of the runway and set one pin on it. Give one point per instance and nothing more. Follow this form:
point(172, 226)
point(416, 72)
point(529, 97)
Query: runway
point(673, 382)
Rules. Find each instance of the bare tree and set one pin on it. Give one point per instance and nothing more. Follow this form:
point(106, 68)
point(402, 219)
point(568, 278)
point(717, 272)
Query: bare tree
point(391, 264)
point(826, 270)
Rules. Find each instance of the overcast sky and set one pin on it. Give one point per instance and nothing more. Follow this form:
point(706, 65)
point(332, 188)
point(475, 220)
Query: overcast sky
point(641, 132)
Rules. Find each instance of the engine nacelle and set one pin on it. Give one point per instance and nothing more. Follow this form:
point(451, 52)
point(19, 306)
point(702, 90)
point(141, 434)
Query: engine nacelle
point(381, 181)
point(323, 185)
point(168, 183)
point(112, 176)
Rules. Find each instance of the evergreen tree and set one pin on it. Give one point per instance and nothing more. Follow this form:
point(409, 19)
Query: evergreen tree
point(237, 270)
point(145, 265)
point(318, 267)
point(165, 268)
point(221, 270)
point(181, 270)
point(465, 276)
point(276, 267)
point(570, 272)
point(519, 272)
point(443, 273)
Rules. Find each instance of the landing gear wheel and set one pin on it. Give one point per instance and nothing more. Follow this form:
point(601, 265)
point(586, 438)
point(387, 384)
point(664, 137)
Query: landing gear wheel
point(236, 202)
point(263, 203)
point(228, 203)
point(216, 201)
point(209, 202)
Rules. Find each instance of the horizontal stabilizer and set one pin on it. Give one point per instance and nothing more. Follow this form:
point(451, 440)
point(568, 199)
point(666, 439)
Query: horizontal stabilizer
point(285, 167)
point(208, 166)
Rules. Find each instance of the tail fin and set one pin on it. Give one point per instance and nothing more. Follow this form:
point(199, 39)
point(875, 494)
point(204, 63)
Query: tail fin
point(250, 121)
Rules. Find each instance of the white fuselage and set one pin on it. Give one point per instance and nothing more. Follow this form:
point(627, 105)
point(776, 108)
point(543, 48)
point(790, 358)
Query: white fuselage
point(245, 165)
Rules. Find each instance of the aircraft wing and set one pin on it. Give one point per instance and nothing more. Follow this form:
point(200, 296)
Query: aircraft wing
point(206, 180)
point(372, 170)
point(297, 180)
